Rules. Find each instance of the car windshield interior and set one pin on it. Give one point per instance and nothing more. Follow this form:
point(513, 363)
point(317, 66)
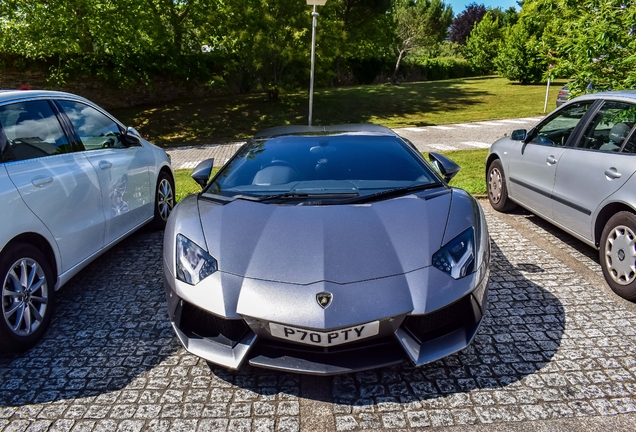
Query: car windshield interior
point(341, 164)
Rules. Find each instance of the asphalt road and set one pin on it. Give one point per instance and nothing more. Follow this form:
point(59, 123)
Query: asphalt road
point(462, 136)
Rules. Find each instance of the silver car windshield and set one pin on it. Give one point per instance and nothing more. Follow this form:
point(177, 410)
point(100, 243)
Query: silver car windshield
point(326, 166)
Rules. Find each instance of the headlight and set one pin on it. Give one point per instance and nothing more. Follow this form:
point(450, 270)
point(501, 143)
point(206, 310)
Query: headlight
point(193, 263)
point(457, 257)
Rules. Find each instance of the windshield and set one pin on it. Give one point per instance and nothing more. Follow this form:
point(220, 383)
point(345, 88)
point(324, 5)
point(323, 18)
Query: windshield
point(328, 166)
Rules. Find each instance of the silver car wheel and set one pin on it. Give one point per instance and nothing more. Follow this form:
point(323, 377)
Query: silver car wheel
point(165, 198)
point(494, 185)
point(620, 255)
point(24, 296)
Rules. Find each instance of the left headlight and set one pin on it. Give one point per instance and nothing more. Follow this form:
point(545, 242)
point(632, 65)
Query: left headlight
point(193, 263)
point(457, 257)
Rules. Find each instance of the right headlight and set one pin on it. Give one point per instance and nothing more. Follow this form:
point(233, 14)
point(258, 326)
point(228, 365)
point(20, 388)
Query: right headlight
point(193, 263)
point(457, 257)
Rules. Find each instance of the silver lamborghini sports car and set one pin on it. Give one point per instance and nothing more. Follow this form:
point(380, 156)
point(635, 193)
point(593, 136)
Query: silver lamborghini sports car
point(326, 250)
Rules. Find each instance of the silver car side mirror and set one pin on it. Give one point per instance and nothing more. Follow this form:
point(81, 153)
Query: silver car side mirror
point(519, 135)
point(201, 173)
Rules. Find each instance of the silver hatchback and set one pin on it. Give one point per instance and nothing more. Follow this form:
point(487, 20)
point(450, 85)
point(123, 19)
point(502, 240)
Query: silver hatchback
point(73, 182)
point(576, 170)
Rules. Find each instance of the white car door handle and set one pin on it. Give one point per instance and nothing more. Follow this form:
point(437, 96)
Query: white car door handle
point(551, 160)
point(40, 181)
point(105, 165)
point(612, 174)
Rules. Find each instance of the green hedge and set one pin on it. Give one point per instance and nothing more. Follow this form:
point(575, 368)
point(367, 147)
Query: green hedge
point(438, 68)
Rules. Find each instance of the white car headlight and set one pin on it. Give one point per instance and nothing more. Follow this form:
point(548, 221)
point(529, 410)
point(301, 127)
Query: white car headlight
point(193, 263)
point(457, 257)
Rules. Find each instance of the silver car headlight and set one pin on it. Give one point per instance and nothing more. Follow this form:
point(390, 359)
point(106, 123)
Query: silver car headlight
point(193, 263)
point(457, 257)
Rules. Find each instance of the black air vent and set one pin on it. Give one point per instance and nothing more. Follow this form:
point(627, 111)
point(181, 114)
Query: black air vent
point(210, 326)
point(441, 322)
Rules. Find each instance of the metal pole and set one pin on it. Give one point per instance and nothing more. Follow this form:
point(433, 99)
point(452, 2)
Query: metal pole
point(547, 91)
point(314, 23)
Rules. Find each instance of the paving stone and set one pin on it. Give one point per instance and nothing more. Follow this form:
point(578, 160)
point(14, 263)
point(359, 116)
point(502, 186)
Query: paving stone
point(551, 346)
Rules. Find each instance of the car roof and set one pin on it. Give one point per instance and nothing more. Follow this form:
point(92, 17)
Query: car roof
point(628, 95)
point(7, 95)
point(358, 129)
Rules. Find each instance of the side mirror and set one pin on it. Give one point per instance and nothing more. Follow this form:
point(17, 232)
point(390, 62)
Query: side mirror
point(201, 173)
point(131, 137)
point(132, 131)
point(519, 135)
point(446, 167)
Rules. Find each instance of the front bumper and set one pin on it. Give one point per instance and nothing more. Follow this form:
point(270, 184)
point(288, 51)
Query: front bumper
point(420, 338)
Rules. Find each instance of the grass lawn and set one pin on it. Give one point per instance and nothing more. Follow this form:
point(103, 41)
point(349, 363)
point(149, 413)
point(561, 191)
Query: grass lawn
point(226, 118)
point(471, 177)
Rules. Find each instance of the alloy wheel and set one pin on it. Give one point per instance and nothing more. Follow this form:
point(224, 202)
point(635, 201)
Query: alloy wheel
point(25, 296)
point(165, 198)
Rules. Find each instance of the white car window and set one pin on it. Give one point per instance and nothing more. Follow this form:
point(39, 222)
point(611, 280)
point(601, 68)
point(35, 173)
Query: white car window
point(32, 131)
point(95, 130)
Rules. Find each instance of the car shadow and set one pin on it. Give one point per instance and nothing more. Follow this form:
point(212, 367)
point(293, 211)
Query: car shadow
point(521, 332)
point(109, 327)
point(558, 234)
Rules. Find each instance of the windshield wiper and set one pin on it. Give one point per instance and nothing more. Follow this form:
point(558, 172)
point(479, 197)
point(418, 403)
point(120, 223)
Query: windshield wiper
point(390, 193)
point(306, 195)
point(284, 196)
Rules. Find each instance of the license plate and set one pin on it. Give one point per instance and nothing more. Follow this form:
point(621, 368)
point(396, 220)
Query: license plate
point(325, 339)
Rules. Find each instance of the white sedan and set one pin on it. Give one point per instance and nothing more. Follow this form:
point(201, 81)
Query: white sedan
point(73, 182)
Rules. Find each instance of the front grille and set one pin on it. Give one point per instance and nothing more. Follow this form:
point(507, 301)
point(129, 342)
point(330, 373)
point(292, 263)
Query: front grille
point(442, 321)
point(210, 326)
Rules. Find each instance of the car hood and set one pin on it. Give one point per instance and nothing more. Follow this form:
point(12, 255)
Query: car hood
point(333, 243)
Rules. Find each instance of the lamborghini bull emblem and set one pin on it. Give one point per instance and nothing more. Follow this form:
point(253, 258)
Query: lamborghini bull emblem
point(324, 299)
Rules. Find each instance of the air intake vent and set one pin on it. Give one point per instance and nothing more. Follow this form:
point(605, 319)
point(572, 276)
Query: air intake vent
point(210, 326)
point(441, 322)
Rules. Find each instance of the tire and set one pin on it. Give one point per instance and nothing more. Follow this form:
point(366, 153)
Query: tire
point(497, 188)
point(27, 293)
point(617, 254)
point(164, 200)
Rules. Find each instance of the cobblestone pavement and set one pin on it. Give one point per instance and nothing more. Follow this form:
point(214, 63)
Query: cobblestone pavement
point(464, 136)
point(554, 352)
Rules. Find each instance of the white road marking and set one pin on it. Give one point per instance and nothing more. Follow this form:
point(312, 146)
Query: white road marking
point(512, 121)
point(467, 125)
point(189, 164)
point(491, 123)
point(442, 127)
point(415, 129)
point(476, 144)
point(442, 147)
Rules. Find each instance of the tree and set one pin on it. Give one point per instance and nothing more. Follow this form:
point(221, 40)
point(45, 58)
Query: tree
point(597, 45)
point(418, 24)
point(463, 23)
point(357, 30)
point(483, 43)
point(520, 57)
point(506, 18)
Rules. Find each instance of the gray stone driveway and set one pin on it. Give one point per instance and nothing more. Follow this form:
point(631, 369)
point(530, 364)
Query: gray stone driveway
point(557, 351)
